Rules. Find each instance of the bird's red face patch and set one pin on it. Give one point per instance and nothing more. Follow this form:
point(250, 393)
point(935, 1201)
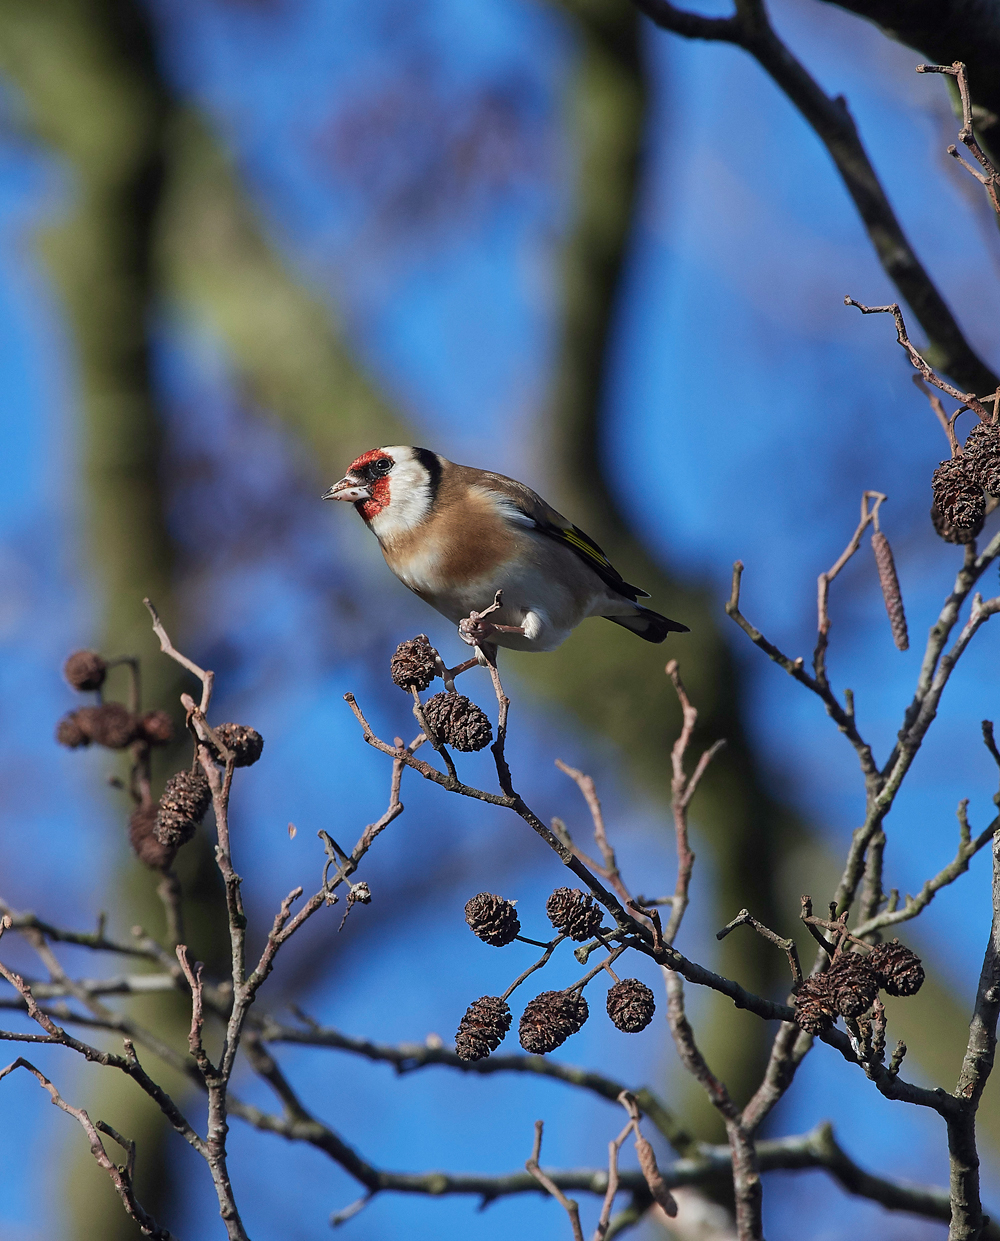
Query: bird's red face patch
point(377, 483)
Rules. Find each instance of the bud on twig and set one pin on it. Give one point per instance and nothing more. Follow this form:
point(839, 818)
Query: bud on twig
point(492, 919)
point(890, 590)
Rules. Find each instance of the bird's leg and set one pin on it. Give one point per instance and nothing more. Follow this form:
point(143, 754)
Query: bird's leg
point(486, 655)
point(477, 631)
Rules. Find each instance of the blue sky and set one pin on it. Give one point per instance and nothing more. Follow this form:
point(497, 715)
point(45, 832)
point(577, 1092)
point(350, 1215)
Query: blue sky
point(759, 406)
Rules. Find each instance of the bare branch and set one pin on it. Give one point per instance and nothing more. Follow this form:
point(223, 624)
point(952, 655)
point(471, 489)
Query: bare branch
point(844, 719)
point(833, 124)
point(409, 1057)
point(744, 918)
point(207, 679)
point(121, 1178)
point(916, 358)
point(571, 1208)
point(967, 1210)
point(967, 849)
point(989, 178)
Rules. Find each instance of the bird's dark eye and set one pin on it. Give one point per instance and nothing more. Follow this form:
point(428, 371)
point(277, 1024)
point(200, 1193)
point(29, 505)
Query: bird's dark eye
point(382, 466)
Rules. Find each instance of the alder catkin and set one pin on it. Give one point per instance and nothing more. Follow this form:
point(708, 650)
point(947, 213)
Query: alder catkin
point(890, 590)
point(657, 1185)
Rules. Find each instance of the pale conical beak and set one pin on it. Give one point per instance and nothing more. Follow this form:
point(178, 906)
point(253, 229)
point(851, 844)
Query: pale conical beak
point(347, 489)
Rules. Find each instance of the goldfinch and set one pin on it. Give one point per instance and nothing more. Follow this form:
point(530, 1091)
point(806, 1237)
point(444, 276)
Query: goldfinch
point(456, 535)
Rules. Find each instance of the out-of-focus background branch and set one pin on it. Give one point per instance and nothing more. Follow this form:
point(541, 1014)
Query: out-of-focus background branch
point(492, 241)
point(944, 33)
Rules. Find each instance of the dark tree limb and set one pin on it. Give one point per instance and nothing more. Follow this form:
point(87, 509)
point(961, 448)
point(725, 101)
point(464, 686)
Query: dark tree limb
point(945, 31)
point(750, 29)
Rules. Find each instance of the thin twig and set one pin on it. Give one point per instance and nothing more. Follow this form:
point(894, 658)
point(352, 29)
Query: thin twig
point(571, 1208)
point(121, 1178)
point(989, 178)
point(744, 918)
point(917, 360)
point(167, 647)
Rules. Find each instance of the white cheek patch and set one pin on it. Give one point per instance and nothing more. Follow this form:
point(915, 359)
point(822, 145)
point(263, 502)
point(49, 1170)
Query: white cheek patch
point(409, 500)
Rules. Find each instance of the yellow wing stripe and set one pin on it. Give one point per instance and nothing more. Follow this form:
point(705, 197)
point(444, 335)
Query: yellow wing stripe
point(586, 548)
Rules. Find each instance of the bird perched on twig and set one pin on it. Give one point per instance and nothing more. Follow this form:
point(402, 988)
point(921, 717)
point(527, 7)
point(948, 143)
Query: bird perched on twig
point(456, 536)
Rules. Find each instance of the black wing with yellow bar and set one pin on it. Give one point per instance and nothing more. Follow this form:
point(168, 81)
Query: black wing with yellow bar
point(588, 551)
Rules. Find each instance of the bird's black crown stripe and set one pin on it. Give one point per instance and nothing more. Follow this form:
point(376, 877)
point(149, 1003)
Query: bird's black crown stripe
point(429, 460)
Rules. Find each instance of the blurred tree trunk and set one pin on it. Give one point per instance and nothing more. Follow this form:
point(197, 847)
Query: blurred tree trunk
point(86, 73)
point(604, 675)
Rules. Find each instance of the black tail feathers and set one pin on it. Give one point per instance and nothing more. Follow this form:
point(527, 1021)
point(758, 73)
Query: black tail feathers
point(649, 624)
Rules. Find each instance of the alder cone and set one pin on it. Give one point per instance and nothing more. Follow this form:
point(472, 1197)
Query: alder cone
point(157, 728)
point(959, 507)
point(142, 837)
point(574, 913)
point(85, 670)
point(815, 1008)
point(182, 807)
point(245, 742)
point(414, 665)
point(982, 453)
point(897, 969)
point(483, 1027)
point(492, 919)
point(110, 725)
point(853, 983)
point(549, 1019)
point(458, 722)
point(631, 1005)
point(70, 733)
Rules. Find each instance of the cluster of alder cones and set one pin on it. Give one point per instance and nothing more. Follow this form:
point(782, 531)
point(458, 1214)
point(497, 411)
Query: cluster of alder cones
point(851, 985)
point(550, 1018)
point(454, 719)
point(157, 828)
point(961, 484)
